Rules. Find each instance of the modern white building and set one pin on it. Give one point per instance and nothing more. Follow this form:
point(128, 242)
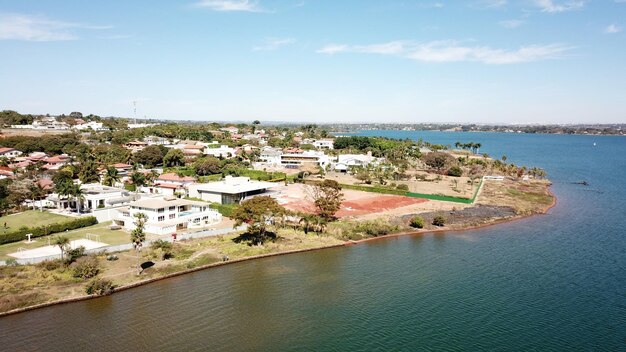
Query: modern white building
point(167, 215)
point(230, 190)
point(346, 161)
point(94, 196)
point(325, 143)
point(309, 156)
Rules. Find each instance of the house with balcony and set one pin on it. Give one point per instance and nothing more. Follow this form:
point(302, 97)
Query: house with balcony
point(347, 161)
point(295, 159)
point(167, 215)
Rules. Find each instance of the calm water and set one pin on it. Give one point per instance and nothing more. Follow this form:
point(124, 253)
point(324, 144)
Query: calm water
point(549, 283)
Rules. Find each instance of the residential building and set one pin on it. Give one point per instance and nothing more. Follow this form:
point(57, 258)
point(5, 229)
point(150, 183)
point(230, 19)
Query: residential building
point(175, 179)
point(93, 125)
point(270, 156)
point(326, 143)
point(136, 146)
point(230, 129)
point(346, 161)
point(95, 196)
point(222, 151)
point(9, 152)
point(6, 172)
point(306, 157)
point(167, 215)
point(230, 190)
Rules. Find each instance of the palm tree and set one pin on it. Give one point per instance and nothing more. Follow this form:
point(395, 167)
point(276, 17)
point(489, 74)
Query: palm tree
point(64, 189)
point(111, 176)
point(138, 179)
point(477, 146)
point(63, 243)
point(77, 194)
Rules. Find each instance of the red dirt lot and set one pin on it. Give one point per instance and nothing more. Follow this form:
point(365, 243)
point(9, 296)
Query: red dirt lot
point(365, 205)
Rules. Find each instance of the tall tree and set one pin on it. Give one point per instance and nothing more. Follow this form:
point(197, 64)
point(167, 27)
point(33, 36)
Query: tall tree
point(174, 157)
point(257, 213)
point(63, 243)
point(327, 197)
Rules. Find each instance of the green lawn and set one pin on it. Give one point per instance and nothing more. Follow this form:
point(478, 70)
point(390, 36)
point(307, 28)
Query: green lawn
point(30, 218)
point(106, 235)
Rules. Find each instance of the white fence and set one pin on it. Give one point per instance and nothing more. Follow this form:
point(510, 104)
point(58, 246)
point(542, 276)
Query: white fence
point(128, 246)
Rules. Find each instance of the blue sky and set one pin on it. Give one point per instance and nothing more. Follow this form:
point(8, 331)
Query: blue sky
point(485, 61)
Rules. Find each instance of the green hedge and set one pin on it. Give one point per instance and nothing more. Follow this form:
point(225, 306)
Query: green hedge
point(224, 209)
point(20, 235)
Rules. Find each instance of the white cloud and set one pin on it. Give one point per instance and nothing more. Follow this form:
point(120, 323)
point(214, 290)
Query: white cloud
point(510, 24)
point(273, 44)
point(452, 51)
point(552, 6)
point(37, 28)
point(612, 29)
point(230, 5)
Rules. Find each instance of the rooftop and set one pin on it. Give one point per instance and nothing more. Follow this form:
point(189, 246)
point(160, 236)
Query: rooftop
point(156, 203)
point(233, 185)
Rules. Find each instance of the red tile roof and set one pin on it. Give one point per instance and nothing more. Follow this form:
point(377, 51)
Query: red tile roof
point(173, 177)
point(168, 185)
point(5, 150)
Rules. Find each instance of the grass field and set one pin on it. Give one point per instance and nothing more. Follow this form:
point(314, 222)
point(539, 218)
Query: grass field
point(30, 218)
point(106, 235)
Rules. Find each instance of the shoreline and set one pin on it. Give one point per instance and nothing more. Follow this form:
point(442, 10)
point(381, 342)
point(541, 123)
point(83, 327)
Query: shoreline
point(543, 211)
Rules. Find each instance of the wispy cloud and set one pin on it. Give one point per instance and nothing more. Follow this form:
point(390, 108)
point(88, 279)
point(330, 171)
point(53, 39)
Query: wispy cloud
point(273, 44)
point(493, 3)
point(230, 5)
point(511, 24)
point(563, 6)
point(452, 51)
point(612, 29)
point(38, 28)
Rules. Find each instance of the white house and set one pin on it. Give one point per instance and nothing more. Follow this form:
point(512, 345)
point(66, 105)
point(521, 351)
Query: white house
point(96, 126)
point(223, 151)
point(95, 196)
point(154, 140)
point(270, 156)
point(167, 215)
point(9, 152)
point(230, 190)
point(346, 161)
point(326, 143)
point(230, 129)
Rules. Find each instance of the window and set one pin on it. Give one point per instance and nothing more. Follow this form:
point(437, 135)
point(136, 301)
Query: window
point(173, 208)
point(161, 210)
point(161, 218)
point(172, 216)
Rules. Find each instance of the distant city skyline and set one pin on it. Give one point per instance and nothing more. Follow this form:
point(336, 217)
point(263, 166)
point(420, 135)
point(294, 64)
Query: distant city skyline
point(477, 61)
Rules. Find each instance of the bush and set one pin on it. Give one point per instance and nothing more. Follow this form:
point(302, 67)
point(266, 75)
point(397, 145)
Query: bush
point(20, 234)
point(50, 265)
point(417, 222)
point(73, 254)
point(403, 187)
point(455, 171)
point(164, 247)
point(375, 228)
point(86, 268)
point(99, 287)
point(11, 262)
point(439, 220)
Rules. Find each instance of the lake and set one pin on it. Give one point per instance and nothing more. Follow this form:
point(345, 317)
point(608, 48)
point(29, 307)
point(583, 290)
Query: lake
point(549, 283)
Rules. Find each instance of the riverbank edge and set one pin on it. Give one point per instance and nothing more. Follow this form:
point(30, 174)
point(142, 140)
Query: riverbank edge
point(234, 261)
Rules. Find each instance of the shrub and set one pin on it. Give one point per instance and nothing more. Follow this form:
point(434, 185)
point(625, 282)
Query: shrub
point(439, 220)
point(375, 228)
point(11, 262)
point(86, 268)
point(455, 171)
point(99, 287)
point(164, 247)
point(224, 209)
point(417, 222)
point(73, 254)
point(403, 187)
point(50, 265)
